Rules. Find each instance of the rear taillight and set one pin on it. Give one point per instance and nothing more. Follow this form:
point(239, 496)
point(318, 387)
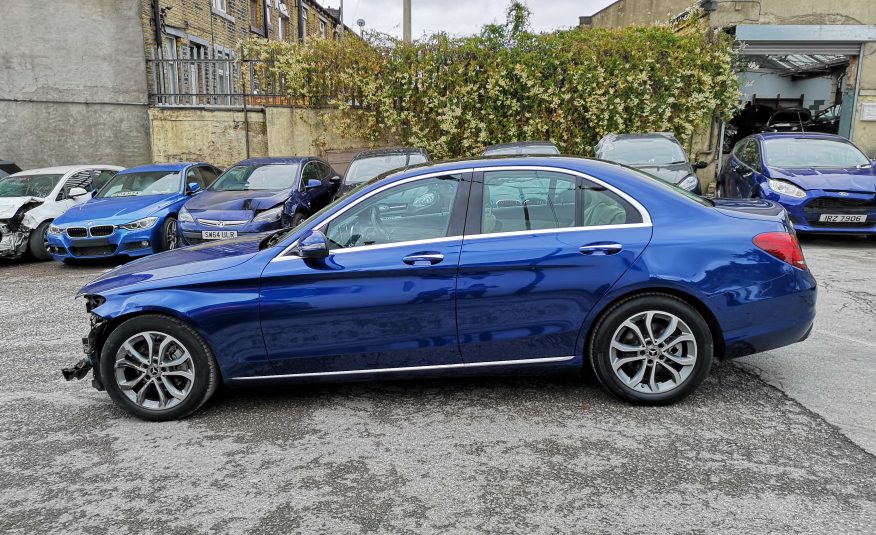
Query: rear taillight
point(783, 246)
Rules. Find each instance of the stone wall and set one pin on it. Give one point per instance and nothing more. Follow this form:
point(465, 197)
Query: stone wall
point(72, 83)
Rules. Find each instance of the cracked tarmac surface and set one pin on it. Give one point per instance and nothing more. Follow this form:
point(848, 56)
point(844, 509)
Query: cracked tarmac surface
point(475, 455)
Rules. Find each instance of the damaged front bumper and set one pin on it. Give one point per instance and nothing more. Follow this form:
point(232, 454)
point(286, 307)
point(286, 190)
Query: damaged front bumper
point(92, 345)
point(13, 240)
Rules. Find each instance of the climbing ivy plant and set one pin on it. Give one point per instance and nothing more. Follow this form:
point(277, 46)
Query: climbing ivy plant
point(453, 96)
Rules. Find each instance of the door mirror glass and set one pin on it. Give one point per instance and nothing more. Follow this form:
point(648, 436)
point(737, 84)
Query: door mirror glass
point(77, 192)
point(312, 184)
point(313, 246)
point(335, 179)
point(193, 187)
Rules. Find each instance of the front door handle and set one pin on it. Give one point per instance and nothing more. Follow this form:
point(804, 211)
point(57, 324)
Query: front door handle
point(423, 259)
point(601, 249)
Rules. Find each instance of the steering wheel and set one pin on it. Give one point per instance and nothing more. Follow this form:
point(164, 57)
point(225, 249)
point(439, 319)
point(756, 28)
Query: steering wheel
point(378, 225)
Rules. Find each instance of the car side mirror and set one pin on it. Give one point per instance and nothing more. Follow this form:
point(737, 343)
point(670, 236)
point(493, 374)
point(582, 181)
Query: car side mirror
point(76, 192)
point(335, 179)
point(700, 165)
point(312, 184)
point(313, 246)
point(192, 188)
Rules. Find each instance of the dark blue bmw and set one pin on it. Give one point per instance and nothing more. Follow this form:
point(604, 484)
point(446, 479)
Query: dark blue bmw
point(825, 182)
point(481, 266)
point(258, 195)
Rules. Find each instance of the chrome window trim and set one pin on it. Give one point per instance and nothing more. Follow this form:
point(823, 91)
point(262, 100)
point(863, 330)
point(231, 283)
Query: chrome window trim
point(411, 368)
point(643, 212)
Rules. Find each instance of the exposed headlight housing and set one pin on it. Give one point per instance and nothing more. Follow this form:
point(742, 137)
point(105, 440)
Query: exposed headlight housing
point(55, 230)
point(689, 182)
point(786, 188)
point(272, 214)
point(185, 217)
point(140, 224)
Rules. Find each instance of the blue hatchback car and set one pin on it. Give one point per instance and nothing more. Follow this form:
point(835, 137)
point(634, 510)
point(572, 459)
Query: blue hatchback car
point(826, 183)
point(481, 266)
point(134, 214)
point(258, 195)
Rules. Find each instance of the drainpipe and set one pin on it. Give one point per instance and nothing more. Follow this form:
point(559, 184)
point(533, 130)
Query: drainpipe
point(301, 28)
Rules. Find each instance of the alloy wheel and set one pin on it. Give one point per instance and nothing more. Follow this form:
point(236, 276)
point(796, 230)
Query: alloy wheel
point(154, 370)
point(170, 237)
point(653, 352)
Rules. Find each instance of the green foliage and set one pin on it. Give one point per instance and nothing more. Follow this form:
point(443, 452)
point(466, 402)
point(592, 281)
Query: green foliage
point(453, 96)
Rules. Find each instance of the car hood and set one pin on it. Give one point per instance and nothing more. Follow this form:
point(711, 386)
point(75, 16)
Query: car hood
point(116, 210)
point(10, 205)
point(178, 263)
point(237, 200)
point(861, 180)
point(672, 173)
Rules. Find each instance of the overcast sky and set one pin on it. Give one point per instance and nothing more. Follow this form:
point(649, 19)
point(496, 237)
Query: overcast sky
point(460, 17)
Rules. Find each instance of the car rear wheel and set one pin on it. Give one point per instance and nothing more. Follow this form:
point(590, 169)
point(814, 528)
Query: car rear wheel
point(158, 368)
point(169, 234)
point(38, 242)
point(651, 349)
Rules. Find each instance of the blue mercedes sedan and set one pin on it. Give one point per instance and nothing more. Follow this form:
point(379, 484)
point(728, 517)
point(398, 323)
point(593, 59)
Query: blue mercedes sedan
point(480, 266)
point(133, 214)
point(825, 182)
point(258, 195)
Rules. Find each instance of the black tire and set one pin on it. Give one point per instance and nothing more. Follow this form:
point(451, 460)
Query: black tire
point(206, 375)
point(297, 219)
point(36, 243)
point(610, 324)
point(169, 234)
point(871, 237)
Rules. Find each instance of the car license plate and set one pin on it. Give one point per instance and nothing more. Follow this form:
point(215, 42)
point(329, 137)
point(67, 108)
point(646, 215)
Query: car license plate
point(838, 218)
point(218, 234)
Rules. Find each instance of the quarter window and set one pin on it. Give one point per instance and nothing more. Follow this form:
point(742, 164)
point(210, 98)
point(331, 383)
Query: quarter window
point(418, 210)
point(527, 200)
point(602, 206)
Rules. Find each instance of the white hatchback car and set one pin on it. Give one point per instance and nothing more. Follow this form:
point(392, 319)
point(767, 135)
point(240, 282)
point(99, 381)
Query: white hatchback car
point(30, 200)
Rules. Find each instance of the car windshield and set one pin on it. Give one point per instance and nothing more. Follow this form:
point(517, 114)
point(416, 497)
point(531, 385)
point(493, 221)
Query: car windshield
point(257, 177)
point(369, 167)
point(800, 152)
point(28, 185)
point(142, 183)
point(645, 151)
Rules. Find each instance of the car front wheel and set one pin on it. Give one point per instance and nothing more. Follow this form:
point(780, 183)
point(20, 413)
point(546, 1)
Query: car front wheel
point(38, 242)
point(169, 235)
point(158, 368)
point(651, 349)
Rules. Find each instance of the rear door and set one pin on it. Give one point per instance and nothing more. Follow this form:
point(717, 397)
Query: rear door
point(385, 296)
point(541, 247)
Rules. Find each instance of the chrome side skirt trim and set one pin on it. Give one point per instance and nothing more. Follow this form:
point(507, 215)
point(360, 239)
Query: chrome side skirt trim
point(411, 368)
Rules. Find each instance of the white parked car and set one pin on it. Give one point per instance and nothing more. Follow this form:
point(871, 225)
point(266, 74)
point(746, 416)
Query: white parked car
point(30, 200)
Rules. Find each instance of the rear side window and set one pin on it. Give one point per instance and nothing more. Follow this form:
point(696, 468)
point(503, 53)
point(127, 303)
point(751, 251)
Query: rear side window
point(602, 206)
point(527, 200)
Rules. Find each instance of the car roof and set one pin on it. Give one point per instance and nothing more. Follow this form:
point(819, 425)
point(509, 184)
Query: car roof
point(171, 166)
point(370, 153)
point(277, 159)
point(575, 163)
point(533, 143)
point(801, 135)
point(645, 135)
point(63, 169)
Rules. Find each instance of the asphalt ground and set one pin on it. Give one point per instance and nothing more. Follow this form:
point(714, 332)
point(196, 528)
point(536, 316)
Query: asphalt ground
point(780, 442)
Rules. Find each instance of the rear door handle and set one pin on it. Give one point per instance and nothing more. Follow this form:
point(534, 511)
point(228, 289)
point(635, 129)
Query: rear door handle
point(601, 249)
point(423, 259)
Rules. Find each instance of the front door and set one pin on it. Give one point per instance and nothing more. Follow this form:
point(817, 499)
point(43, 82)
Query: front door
point(541, 247)
point(385, 296)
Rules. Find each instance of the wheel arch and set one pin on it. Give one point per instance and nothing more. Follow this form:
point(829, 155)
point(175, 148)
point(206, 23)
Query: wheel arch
point(692, 300)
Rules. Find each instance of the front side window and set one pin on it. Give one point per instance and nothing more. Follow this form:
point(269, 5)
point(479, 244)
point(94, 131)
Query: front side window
point(312, 171)
point(813, 152)
point(750, 155)
point(82, 179)
point(265, 177)
point(141, 183)
point(28, 185)
point(103, 176)
point(418, 210)
point(194, 175)
point(527, 200)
